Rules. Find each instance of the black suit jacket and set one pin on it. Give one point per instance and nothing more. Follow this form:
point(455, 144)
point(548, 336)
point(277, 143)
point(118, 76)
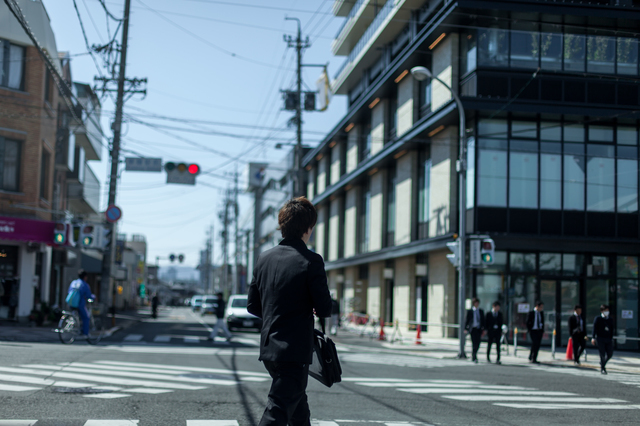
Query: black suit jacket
point(574, 325)
point(494, 325)
point(531, 319)
point(469, 323)
point(289, 282)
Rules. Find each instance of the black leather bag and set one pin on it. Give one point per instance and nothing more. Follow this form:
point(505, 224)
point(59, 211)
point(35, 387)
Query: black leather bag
point(325, 366)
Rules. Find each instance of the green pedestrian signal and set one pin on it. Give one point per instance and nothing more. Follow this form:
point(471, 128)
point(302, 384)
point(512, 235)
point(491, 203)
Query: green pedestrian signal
point(487, 251)
point(60, 233)
point(86, 235)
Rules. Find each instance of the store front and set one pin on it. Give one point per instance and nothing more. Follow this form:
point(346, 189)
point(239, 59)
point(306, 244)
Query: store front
point(561, 281)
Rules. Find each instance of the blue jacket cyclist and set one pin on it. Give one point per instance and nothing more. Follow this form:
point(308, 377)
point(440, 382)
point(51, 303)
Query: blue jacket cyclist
point(85, 293)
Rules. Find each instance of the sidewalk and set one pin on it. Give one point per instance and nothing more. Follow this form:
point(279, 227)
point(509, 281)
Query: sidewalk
point(447, 348)
point(11, 331)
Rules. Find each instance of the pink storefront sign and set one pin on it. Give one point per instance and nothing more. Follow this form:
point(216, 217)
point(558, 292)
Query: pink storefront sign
point(38, 231)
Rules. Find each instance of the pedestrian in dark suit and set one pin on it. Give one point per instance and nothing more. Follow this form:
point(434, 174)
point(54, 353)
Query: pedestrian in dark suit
point(289, 284)
point(474, 326)
point(493, 323)
point(603, 336)
point(578, 333)
point(535, 325)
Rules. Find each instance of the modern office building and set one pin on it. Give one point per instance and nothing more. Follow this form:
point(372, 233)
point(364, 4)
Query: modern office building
point(550, 93)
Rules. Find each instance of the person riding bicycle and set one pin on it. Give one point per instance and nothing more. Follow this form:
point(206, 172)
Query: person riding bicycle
point(80, 285)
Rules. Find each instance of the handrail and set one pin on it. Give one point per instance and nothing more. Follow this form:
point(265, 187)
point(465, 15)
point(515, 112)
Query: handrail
point(354, 10)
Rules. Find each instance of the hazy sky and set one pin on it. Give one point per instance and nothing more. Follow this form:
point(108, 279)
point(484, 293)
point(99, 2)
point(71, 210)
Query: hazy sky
point(222, 63)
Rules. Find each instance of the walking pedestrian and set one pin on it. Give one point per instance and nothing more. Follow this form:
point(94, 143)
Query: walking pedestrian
point(335, 316)
point(494, 322)
point(603, 336)
point(535, 325)
point(578, 333)
point(474, 326)
point(220, 324)
point(289, 284)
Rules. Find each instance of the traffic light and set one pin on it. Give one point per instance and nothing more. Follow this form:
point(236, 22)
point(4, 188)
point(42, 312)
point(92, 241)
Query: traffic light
point(454, 256)
point(182, 173)
point(487, 251)
point(106, 237)
point(309, 101)
point(172, 257)
point(60, 233)
point(87, 236)
point(181, 258)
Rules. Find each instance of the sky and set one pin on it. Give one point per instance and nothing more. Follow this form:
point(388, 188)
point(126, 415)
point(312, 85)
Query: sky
point(215, 70)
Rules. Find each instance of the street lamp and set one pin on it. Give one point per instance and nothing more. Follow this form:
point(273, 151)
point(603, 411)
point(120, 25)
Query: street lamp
point(420, 74)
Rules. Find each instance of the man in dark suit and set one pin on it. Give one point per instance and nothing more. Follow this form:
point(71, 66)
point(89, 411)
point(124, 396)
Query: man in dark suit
point(578, 333)
point(535, 325)
point(289, 284)
point(493, 323)
point(474, 326)
point(603, 336)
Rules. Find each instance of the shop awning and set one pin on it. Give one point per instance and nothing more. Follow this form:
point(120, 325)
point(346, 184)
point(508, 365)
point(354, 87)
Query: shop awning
point(29, 230)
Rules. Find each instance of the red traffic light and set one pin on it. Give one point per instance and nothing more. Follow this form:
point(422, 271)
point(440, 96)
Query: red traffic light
point(194, 169)
point(487, 245)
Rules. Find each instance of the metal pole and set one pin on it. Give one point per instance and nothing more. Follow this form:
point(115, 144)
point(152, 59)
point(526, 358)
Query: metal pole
point(108, 257)
point(236, 273)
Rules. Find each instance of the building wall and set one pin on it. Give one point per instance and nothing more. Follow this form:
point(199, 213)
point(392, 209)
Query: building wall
point(406, 169)
point(321, 181)
point(404, 283)
point(352, 148)
point(320, 230)
point(445, 66)
point(351, 222)
point(442, 294)
point(374, 289)
point(336, 159)
point(444, 189)
point(404, 113)
point(334, 228)
point(311, 184)
point(378, 115)
point(376, 218)
point(348, 289)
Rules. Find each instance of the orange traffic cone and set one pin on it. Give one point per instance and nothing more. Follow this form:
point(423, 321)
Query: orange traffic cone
point(570, 350)
point(418, 338)
point(381, 336)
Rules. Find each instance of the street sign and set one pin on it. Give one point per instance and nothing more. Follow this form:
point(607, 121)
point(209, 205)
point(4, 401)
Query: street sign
point(138, 164)
point(113, 213)
point(474, 253)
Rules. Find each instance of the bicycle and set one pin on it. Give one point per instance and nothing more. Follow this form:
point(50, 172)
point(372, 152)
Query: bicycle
point(69, 326)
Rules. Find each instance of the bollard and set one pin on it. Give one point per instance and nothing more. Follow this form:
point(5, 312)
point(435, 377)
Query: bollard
point(515, 341)
point(553, 344)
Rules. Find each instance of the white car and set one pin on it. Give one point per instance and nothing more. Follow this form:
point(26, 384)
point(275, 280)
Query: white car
point(237, 315)
point(196, 303)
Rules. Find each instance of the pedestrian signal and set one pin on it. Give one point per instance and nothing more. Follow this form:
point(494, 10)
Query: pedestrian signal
point(454, 256)
point(60, 233)
point(87, 236)
point(487, 251)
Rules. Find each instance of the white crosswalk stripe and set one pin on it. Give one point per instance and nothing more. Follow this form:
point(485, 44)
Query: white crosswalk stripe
point(133, 337)
point(398, 360)
point(624, 378)
point(499, 395)
point(112, 379)
point(129, 422)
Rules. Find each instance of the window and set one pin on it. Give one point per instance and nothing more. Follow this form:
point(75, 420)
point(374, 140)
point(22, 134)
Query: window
point(574, 178)
point(44, 175)
point(424, 183)
point(600, 178)
point(9, 164)
point(363, 219)
point(574, 49)
point(47, 86)
point(492, 173)
point(391, 207)
point(627, 185)
point(393, 116)
point(627, 135)
point(550, 176)
point(601, 54)
point(493, 47)
point(627, 56)
point(600, 133)
point(469, 54)
point(550, 51)
point(523, 174)
point(574, 132)
point(525, 49)
point(11, 65)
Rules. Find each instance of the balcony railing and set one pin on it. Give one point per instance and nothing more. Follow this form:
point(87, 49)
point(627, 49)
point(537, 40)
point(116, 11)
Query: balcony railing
point(84, 196)
point(352, 13)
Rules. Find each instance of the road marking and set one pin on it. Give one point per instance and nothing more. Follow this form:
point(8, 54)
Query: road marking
point(26, 379)
point(200, 369)
point(492, 398)
point(18, 422)
point(323, 423)
point(162, 339)
point(487, 391)
point(213, 423)
point(441, 385)
point(570, 406)
point(132, 338)
point(149, 391)
point(191, 339)
point(111, 422)
point(16, 388)
point(112, 395)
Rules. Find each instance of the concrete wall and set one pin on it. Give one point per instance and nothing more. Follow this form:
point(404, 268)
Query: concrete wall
point(350, 277)
point(311, 185)
point(406, 167)
point(335, 233)
point(441, 294)
point(444, 189)
point(320, 231)
point(377, 210)
point(321, 181)
point(404, 113)
point(336, 158)
point(352, 148)
point(404, 284)
point(445, 66)
point(351, 222)
point(378, 114)
point(374, 289)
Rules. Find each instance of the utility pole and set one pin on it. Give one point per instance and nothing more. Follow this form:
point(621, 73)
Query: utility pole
point(225, 242)
point(236, 210)
point(247, 234)
point(298, 44)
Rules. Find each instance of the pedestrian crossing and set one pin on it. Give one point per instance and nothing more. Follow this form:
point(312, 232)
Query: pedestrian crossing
point(498, 395)
point(623, 378)
point(187, 339)
point(397, 360)
point(128, 422)
point(114, 379)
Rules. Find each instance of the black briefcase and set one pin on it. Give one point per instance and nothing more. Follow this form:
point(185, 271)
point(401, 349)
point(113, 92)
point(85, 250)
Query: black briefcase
point(325, 366)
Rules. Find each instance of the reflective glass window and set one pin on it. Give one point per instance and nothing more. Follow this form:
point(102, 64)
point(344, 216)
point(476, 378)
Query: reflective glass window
point(16, 67)
point(550, 131)
point(493, 128)
point(574, 52)
point(522, 262)
point(493, 47)
point(627, 135)
point(574, 179)
point(600, 265)
point(573, 132)
point(551, 51)
point(572, 264)
point(550, 181)
point(523, 175)
point(627, 186)
point(627, 267)
point(492, 178)
point(600, 178)
point(471, 172)
point(525, 49)
point(423, 190)
point(523, 129)
point(550, 263)
point(469, 55)
point(601, 54)
point(627, 56)
point(600, 133)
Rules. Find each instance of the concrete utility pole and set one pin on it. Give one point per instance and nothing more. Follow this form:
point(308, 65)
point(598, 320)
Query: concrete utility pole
point(225, 242)
point(108, 257)
point(236, 210)
point(247, 274)
point(298, 44)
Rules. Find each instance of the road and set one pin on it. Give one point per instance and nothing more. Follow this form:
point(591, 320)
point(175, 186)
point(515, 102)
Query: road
point(166, 372)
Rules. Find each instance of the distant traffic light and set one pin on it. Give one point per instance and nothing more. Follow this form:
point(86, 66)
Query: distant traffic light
point(182, 173)
point(87, 236)
point(181, 258)
point(487, 251)
point(172, 257)
point(107, 233)
point(60, 233)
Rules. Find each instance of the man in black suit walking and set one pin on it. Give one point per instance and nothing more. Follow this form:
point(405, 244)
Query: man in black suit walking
point(578, 333)
point(494, 323)
point(289, 284)
point(535, 325)
point(474, 326)
point(603, 336)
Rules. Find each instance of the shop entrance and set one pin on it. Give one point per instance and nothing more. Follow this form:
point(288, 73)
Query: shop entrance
point(559, 298)
point(10, 291)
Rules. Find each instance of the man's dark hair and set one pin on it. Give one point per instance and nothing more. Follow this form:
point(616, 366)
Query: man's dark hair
point(219, 294)
point(496, 303)
point(539, 302)
point(475, 300)
point(603, 307)
point(577, 307)
point(296, 217)
point(82, 274)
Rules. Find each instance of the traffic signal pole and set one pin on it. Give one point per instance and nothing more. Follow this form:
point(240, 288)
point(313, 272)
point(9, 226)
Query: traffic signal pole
point(107, 281)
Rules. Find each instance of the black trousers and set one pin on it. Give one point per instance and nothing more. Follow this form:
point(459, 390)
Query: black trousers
point(579, 345)
point(605, 346)
point(493, 337)
point(287, 404)
point(536, 339)
point(476, 334)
